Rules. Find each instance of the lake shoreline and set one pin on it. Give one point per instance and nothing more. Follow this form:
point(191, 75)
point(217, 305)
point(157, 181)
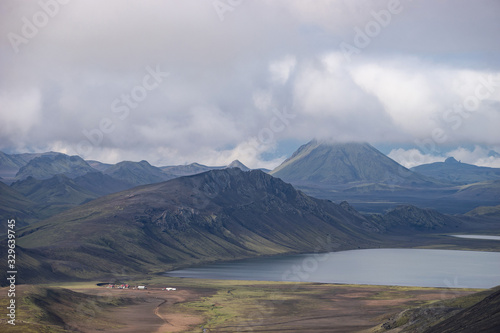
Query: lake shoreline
point(419, 267)
point(436, 241)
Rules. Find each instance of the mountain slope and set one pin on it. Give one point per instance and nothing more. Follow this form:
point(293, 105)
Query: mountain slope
point(342, 163)
point(217, 215)
point(456, 172)
point(99, 166)
point(482, 317)
point(195, 168)
point(187, 170)
point(47, 166)
point(478, 312)
point(53, 195)
point(485, 211)
point(10, 164)
point(487, 192)
point(100, 184)
point(13, 205)
point(137, 173)
point(374, 183)
point(406, 219)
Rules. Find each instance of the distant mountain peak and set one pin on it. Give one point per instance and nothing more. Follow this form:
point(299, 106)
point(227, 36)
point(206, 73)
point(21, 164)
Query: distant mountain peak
point(238, 164)
point(457, 172)
point(137, 173)
point(451, 160)
point(49, 165)
point(335, 163)
point(493, 153)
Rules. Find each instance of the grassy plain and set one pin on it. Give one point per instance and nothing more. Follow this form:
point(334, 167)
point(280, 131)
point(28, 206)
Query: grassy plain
point(218, 306)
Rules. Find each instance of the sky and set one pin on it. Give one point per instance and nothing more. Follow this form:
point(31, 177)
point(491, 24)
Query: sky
point(211, 81)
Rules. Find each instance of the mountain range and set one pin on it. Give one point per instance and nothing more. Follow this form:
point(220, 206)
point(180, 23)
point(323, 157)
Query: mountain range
point(137, 173)
point(372, 182)
point(344, 163)
point(86, 220)
point(42, 185)
point(357, 172)
point(457, 172)
point(46, 166)
point(216, 215)
point(10, 164)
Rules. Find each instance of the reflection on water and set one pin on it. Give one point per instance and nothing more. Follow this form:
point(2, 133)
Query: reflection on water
point(485, 237)
point(403, 267)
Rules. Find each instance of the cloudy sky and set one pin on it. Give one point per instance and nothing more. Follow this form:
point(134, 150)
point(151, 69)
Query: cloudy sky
point(206, 81)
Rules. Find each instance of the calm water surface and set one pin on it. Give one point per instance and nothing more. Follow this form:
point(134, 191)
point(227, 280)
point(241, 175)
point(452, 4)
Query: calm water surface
point(402, 267)
point(485, 237)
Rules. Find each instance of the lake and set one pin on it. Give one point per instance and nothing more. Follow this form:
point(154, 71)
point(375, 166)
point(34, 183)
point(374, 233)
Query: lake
point(485, 237)
point(400, 267)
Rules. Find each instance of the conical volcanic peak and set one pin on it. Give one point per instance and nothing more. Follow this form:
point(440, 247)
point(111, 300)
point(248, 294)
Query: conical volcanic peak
point(341, 163)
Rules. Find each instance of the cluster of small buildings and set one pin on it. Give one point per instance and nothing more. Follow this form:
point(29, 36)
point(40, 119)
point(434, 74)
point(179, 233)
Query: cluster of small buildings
point(126, 286)
point(118, 286)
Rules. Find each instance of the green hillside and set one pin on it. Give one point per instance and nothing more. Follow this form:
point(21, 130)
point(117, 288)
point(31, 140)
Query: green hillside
point(47, 166)
point(53, 195)
point(218, 215)
point(485, 211)
point(137, 173)
point(13, 205)
point(100, 184)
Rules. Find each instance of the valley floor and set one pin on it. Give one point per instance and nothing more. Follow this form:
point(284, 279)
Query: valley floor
point(215, 306)
point(241, 306)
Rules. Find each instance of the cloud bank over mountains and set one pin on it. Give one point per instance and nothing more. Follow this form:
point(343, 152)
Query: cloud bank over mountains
point(178, 82)
point(477, 156)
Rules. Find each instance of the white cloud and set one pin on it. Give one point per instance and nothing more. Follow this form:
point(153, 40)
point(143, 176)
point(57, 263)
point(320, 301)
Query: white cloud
point(488, 156)
point(420, 97)
point(227, 77)
point(281, 70)
point(413, 157)
point(21, 111)
point(262, 99)
point(481, 156)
